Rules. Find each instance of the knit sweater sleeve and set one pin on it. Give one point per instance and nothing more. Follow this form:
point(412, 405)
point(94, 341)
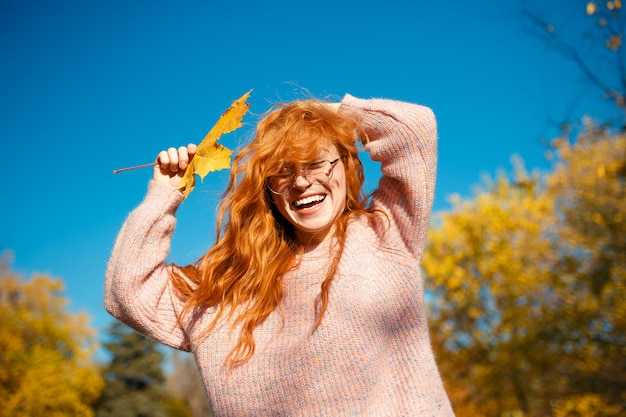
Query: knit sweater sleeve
point(138, 287)
point(403, 138)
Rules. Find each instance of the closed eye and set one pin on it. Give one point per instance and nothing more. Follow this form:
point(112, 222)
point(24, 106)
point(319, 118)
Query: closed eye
point(285, 171)
point(316, 165)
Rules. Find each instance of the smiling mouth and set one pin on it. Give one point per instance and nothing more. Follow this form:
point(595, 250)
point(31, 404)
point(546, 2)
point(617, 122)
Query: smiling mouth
point(308, 201)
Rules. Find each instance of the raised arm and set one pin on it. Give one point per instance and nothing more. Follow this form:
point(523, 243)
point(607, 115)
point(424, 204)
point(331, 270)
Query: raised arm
point(138, 288)
point(403, 137)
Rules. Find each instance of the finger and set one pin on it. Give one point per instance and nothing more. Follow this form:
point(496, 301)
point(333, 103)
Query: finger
point(183, 157)
point(172, 153)
point(191, 149)
point(163, 159)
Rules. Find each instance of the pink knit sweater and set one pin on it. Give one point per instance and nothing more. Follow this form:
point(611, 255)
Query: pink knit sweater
point(371, 355)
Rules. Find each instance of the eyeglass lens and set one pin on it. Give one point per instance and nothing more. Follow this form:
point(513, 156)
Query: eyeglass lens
point(318, 172)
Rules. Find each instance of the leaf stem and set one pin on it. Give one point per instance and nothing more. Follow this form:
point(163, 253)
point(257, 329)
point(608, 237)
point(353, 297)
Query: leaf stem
point(117, 171)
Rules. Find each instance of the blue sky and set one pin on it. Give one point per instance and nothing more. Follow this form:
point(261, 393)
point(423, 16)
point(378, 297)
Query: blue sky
point(90, 86)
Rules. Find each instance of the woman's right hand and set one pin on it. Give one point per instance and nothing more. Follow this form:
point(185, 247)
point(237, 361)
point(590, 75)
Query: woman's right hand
point(171, 164)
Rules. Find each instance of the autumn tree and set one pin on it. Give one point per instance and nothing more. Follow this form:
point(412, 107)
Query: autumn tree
point(488, 267)
point(589, 188)
point(45, 351)
point(528, 282)
point(135, 381)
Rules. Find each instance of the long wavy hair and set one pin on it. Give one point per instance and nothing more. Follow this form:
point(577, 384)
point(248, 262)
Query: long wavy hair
point(255, 245)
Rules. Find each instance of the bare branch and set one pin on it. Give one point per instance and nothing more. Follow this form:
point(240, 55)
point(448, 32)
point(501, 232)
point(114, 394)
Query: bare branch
point(569, 51)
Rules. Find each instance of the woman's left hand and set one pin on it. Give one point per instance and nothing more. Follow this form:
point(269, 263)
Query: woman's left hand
point(171, 164)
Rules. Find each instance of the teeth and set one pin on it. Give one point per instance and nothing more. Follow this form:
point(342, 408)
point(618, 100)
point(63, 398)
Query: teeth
point(309, 200)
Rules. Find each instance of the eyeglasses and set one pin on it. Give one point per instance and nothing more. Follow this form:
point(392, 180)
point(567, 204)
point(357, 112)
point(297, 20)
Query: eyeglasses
point(318, 172)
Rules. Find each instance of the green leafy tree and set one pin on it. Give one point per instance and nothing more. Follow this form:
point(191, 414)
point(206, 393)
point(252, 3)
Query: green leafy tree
point(528, 281)
point(45, 351)
point(135, 382)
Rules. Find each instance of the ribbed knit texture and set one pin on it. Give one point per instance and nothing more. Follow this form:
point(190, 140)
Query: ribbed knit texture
point(371, 356)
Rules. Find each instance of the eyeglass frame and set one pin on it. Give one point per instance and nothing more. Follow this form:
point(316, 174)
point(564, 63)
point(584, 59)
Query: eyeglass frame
point(332, 163)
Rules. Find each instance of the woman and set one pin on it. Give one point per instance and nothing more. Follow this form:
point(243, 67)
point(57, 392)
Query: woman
point(311, 302)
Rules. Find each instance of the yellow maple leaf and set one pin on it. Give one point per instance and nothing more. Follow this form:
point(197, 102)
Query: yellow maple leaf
point(211, 156)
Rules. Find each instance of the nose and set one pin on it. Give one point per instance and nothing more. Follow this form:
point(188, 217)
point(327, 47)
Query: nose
point(300, 181)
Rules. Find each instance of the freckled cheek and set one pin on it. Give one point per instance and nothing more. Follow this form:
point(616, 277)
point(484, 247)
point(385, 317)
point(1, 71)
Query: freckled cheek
point(339, 184)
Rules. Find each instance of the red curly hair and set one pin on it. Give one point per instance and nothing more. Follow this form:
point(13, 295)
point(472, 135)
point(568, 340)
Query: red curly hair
point(255, 246)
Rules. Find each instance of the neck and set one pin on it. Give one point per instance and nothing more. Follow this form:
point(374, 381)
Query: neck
point(313, 239)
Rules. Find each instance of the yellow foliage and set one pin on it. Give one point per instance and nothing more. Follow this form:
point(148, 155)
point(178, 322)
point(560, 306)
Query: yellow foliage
point(591, 8)
point(588, 405)
point(527, 281)
point(609, 20)
point(45, 352)
point(614, 42)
